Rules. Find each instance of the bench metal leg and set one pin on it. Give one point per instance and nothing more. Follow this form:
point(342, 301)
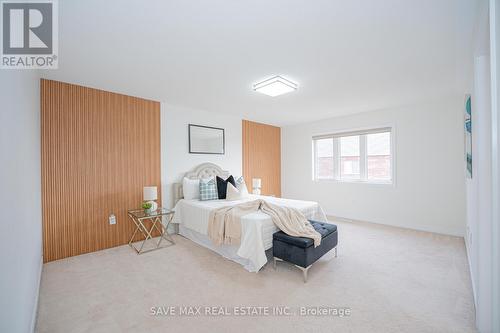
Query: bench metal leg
point(304, 271)
point(275, 260)
point(336, 247)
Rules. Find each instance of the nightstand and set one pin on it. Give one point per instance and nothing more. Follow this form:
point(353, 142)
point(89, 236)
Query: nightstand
point(140, 219)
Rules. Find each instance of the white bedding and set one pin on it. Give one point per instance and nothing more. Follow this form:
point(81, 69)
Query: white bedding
point(256, 228)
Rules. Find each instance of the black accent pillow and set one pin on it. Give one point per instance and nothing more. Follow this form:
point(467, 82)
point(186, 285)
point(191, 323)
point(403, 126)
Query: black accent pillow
point(222, 186)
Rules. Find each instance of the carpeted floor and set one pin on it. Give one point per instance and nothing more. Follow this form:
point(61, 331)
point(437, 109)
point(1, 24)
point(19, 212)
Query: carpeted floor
point(389, 279)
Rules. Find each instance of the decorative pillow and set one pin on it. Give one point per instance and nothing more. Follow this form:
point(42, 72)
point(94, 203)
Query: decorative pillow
point(232, 193)
point(242, 187)
point(208, 189)
point(222, 186)
point(191, 188)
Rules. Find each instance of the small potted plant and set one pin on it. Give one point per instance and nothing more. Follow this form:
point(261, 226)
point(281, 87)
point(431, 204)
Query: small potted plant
point(147, 207)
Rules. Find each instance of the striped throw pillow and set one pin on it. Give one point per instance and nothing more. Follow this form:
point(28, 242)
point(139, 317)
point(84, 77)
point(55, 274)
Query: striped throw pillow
point(240, 180)
point(242, 187)
point(208, 189)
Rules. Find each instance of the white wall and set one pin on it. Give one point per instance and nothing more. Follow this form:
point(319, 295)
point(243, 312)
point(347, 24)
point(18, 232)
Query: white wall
point(429, 193)
point(479, 195)
point(495, 115)
point(482, 190)
point(176, 159)
point(20, 200)
point(479, 189)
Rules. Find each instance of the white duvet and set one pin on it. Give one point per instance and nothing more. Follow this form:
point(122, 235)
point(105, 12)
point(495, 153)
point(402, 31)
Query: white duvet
point(256, 228)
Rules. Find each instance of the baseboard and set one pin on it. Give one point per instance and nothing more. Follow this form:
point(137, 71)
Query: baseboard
point(343, 219)
point(35, 307)
point(470, 273)
point(340, 219)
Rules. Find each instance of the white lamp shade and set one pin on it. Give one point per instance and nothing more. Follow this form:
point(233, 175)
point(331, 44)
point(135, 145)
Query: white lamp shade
point(256, 182)
point(150, 193)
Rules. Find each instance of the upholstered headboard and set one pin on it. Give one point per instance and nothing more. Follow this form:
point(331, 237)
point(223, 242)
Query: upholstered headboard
point(205, 170)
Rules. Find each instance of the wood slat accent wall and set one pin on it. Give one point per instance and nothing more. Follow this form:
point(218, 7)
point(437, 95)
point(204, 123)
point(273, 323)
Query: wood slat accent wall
point(98, 151)
point(262, 156)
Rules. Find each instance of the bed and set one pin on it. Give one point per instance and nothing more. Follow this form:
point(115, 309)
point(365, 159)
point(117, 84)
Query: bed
point(191, 216)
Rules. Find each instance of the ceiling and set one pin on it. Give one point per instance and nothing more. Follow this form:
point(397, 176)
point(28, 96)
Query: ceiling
point(347, 56)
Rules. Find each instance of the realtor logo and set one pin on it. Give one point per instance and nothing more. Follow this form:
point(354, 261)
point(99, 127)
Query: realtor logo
point(29, 34)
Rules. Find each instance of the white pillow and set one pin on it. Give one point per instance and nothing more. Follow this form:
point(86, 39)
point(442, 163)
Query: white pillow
point(191, 188)
point(232, 193)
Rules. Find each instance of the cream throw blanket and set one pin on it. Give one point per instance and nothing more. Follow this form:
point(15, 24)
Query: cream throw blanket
point(224, 225)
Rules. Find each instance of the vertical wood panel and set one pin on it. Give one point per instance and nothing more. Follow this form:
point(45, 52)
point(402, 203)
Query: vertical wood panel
point(262, 156)
point(99, 149)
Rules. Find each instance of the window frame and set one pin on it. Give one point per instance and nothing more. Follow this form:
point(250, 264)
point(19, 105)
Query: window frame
point(363, 167)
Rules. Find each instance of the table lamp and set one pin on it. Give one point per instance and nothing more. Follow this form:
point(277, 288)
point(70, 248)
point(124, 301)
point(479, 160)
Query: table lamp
point(150, 195)
point(256, 185)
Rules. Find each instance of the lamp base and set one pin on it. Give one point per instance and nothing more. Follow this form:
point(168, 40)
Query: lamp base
point(154, 205)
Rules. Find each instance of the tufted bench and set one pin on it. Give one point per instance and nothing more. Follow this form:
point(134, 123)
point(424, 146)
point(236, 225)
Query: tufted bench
point(300, 251)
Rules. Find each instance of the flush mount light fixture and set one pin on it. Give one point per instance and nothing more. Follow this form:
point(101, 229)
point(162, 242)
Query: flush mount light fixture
point(275, 86)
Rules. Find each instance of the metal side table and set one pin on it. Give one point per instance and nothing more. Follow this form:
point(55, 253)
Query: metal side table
point(139, 217)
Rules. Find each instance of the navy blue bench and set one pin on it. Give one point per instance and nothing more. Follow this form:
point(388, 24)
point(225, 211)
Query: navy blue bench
point(300, 251)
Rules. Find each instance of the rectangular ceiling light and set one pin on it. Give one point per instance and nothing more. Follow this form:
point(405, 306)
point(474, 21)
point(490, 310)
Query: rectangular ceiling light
point(275, 86)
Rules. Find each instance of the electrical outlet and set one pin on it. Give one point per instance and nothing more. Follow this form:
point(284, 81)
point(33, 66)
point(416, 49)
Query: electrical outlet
point(112, 219)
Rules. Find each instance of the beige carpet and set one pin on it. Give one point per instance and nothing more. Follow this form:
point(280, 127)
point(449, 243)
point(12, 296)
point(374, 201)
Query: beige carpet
point(391, 279)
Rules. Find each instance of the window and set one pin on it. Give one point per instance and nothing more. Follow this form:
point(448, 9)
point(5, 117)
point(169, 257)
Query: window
point(378, 151)
point(361, 156)
point(324, 158)
point(349, 157)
